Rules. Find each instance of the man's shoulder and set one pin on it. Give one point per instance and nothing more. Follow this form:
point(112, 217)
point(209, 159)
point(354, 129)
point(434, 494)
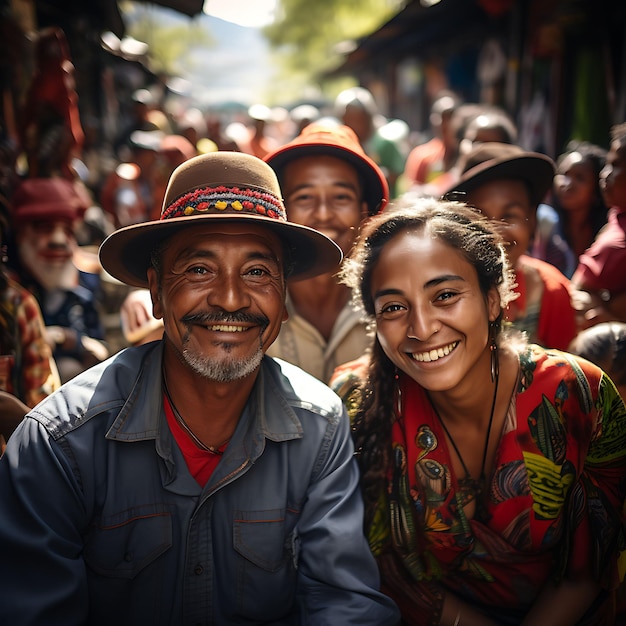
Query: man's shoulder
point(100, 389)
point(302, 390)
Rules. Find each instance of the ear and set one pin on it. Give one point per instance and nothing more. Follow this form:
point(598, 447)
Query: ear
point(153, 285)
point(494, 308)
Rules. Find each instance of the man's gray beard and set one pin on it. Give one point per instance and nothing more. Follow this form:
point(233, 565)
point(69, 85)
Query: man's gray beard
point(226, 370)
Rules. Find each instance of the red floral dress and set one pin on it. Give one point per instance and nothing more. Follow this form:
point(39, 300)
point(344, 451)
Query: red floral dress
point(553, 504)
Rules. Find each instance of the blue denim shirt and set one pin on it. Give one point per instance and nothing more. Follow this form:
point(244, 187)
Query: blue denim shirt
point(102, 523)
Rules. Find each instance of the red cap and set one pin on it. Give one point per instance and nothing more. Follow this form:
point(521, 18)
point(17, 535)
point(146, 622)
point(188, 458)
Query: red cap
point(48, 198)
point(340, 142)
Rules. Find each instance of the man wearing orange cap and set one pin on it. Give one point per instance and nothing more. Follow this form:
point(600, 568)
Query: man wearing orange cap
point(194, 480)
point(329, 184)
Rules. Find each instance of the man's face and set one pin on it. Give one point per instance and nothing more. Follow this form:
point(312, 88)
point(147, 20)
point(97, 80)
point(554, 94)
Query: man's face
point(508, 203)
point(324, 193)
point(613, 176)
point(46, 249)
point(221, 297)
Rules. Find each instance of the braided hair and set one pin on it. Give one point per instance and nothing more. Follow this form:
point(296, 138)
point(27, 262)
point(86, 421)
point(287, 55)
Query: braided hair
point(463, 229)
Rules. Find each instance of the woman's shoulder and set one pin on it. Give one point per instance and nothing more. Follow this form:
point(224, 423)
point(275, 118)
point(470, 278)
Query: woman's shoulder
point(543, 364)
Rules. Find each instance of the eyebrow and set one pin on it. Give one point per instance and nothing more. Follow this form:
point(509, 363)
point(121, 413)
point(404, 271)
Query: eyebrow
point(431, 283)
point(336, 183)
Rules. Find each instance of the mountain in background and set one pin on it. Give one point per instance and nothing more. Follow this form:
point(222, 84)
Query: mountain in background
point(236, 68)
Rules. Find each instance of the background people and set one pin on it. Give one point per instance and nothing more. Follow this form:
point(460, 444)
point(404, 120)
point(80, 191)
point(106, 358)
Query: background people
point(45, 216)
point(428, 160)
point(568, 226)
point(28, 373)
point(195, 466)
point(328, 184)
point(507, 184)
point(357, 109)
point(493, 470)
point(599, 281)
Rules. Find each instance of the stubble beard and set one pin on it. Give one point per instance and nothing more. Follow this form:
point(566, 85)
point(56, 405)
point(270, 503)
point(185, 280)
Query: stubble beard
point(225, 370)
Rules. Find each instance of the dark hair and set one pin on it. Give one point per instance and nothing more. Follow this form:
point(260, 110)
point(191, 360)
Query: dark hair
point(605, 345)
point(462, 228)
point(595, 156)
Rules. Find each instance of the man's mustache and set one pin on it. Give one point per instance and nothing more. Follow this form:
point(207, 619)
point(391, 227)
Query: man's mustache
point(226, 318)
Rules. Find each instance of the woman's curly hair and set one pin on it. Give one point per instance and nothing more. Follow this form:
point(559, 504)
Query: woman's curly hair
point(456, 225)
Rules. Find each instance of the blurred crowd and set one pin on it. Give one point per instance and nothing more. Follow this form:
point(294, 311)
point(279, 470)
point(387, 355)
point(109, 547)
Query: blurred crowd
point(62, 194)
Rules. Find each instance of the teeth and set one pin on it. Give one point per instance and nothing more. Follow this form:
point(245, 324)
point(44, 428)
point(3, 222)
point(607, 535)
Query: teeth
point(227, 329)
point(434, 355)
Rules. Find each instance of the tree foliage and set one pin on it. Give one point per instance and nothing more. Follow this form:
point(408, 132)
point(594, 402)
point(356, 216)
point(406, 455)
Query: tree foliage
point(170, 42)
point(306, 36)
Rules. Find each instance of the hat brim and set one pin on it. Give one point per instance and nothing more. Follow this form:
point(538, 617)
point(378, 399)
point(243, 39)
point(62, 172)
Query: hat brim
point(536, 169)
point(125, 254)
point(376, 189)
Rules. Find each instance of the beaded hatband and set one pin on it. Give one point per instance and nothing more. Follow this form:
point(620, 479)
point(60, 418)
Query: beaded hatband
point(226, 199)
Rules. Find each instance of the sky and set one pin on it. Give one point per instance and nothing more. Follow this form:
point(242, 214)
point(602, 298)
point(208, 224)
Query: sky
point(249, 13)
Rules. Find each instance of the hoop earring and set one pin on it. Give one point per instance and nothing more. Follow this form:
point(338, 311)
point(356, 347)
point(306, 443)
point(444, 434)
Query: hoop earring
point(493, 347)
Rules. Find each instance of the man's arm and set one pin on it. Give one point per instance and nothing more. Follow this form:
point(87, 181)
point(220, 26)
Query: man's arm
point(338, 576)
point(41, 513)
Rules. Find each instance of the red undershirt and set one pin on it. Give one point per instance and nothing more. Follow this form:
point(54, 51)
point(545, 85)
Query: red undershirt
point(201, 463)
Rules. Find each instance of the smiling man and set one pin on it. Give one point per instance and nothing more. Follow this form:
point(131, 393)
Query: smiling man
point(329, 184)
point(194, 480)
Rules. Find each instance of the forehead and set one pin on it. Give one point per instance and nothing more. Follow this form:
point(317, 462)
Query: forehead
point(500, 191)
point(424, 248)
point(226, 235)
point(310, 169)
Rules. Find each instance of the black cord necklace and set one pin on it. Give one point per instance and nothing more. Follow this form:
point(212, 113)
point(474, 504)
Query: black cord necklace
point(476, 486)
point(181, 422)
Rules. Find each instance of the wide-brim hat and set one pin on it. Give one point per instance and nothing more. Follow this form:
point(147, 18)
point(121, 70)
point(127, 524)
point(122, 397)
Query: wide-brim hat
point(341, 142)
point(48, 199)
point(225, 187)
point(500, 161)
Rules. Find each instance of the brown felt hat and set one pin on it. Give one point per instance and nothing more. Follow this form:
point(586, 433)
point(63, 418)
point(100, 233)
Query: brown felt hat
point(497, 161)
point(341, 142)
point(225, 186)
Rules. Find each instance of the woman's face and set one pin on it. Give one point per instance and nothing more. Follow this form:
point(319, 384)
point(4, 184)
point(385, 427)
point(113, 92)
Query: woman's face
point(575, 183)
point(432, 319)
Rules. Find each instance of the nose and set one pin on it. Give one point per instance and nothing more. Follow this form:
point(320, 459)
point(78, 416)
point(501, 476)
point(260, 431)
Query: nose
point(58, 236)
point(229, 292)
point(423, 324)
point(323, 209)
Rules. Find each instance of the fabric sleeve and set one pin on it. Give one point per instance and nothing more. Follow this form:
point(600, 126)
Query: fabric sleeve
point(41, 518)
point(337, 577)
point(596, 512)
point(38, 369)
point(557, 318)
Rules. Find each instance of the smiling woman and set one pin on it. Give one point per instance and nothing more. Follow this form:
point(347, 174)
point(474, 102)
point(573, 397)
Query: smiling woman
point(484, 505)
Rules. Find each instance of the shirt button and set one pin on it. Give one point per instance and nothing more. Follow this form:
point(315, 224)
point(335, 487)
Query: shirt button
point(128, 557)
point(198, 570)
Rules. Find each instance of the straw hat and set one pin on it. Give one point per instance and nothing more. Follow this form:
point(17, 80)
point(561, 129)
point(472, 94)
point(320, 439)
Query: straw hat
point(225, 186)
point(341, 142)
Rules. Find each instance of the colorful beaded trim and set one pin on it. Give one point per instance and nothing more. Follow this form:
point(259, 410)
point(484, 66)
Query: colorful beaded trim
point(226, 199)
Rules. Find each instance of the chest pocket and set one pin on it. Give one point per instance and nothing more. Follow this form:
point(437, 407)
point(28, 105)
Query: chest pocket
point(122, 545)
point(261, 538)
